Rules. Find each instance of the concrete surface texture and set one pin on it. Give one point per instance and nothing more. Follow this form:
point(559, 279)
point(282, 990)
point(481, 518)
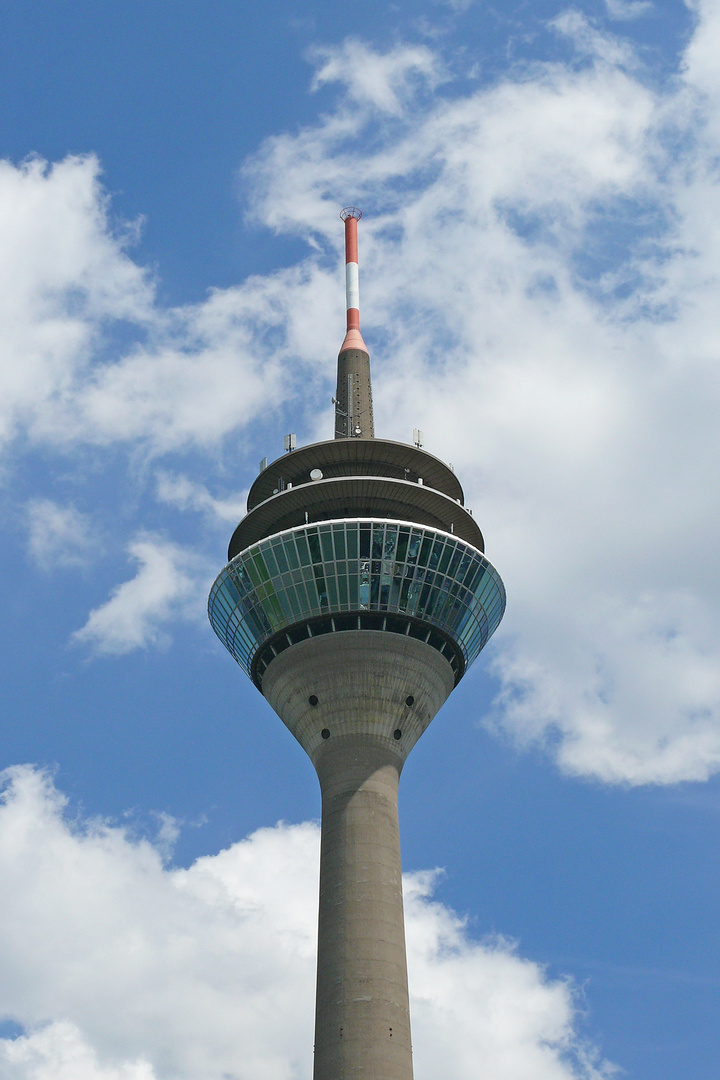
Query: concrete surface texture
point(353, 396)
point(358, 701)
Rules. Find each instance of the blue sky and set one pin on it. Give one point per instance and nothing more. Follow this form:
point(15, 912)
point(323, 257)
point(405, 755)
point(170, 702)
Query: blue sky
point(540, 253)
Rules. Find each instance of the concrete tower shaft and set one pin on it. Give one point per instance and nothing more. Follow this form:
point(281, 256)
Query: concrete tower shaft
point(357, 702)
point(356, 596)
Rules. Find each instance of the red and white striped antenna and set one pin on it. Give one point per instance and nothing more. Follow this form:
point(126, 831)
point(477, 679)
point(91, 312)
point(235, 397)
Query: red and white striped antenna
point(353, 399)
point(353, 338)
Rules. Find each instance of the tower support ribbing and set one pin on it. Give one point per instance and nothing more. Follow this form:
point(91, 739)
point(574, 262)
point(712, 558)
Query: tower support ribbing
point(356, 596)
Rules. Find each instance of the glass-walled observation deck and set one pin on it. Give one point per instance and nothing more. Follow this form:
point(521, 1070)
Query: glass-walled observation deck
point(356, 574)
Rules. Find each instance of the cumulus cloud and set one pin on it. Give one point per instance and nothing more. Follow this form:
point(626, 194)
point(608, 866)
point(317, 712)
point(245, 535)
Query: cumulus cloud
point(170, 584)
point(58, 1052)
point(63, 272)
point(554, 338)
point(137, 971)
point(58, 535)
point(88, 356)
point(539, 281)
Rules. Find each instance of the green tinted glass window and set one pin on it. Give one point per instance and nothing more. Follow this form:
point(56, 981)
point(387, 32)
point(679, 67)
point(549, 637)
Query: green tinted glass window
point(417, 573)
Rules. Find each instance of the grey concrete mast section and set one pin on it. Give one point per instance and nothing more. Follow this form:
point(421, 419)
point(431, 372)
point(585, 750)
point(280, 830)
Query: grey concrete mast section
point(357, 703)
point(353, 397)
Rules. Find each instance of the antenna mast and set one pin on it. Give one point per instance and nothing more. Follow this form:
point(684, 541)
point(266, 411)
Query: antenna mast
point(353, 399)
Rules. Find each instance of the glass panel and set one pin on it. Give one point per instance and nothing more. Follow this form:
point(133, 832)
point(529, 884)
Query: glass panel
point(402, 546)
point(303, 551)
point(430, 602)
point(437, 547)
point(445, 557)
point(253, 573)
point(279, 552)
point(274, 612)
point(425, 549)
point(270, 563)
point(314, 542)
point(332, 591)
point(391, 535)
point(290, 552)
point(466, 565)
point(454, 562)
point(262, 569)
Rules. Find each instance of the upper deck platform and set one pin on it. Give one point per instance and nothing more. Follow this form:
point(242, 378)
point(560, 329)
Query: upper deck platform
point(355, 478)
point(355, 457)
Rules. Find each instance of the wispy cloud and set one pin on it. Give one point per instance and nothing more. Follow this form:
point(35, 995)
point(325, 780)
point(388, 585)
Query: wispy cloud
point(628, 9)
point(188, 494)
point(591, 41)
point(59, 536)
point(170, 584)
point(382, 81)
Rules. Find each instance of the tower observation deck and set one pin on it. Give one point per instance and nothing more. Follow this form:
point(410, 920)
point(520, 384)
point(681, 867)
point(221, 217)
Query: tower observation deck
point(356, 596)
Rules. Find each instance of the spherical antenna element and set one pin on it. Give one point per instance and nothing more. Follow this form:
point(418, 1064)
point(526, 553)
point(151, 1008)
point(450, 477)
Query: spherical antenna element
point(351, 211)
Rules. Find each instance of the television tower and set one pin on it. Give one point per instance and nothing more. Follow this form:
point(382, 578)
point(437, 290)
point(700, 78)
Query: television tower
point(356, 597)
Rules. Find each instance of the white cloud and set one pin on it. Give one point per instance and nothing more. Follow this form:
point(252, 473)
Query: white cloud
point(380, 80)
point(628, 9)
point(188, 494)
point(62, 272)
point(122, 969)
point(596, 43)
point(539, 284)
point(101, 363)
point(540, 288)
point(170, 584)
point(459, 5)
point(59, 535)
point(59, 1052)
point(700, 67)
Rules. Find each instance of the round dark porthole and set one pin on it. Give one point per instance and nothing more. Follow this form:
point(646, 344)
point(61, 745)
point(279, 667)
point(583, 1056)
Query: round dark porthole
point(312, 700)
point(325, 733)
point(409, 700)
point(397, 733)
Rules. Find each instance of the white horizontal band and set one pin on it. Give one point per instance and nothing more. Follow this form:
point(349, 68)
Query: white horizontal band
point(352, 286)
